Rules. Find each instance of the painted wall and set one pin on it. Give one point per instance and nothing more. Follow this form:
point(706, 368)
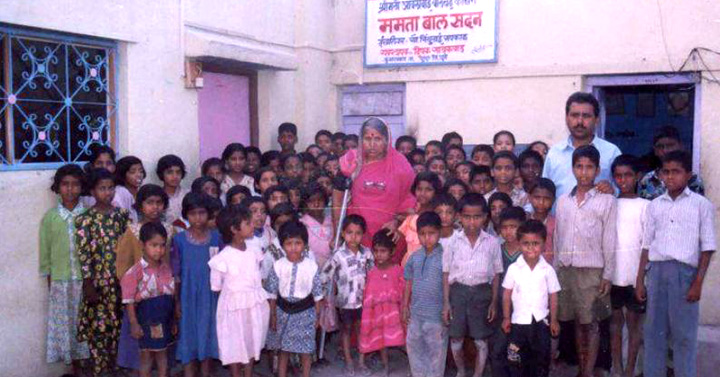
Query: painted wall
point(223, 113)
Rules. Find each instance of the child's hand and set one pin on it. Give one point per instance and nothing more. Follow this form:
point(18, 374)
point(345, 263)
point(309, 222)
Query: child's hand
point(273, 322)
point(640, 293)
point(491, 313)
point(605, 187)
point(695, 292)
point(506, 325)
point(447, 314)
point(554, 328)
point(605, 288)
point(136, 331)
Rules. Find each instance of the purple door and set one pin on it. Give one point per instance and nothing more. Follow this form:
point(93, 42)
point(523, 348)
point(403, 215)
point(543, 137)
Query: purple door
point(223, 113)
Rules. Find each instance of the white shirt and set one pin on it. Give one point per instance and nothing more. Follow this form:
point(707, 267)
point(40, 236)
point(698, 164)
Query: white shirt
point(628, 244)
point(174, 210)
point(306, 271)
point(531, 289)
point(472, 264)
point(125, 199)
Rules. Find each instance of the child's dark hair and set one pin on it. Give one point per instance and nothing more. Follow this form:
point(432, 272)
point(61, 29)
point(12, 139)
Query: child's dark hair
point(122, 167)
point(195, 200)
point(285, 158)
point(152, 229)
point(405, 139)
point(433, 159)
point(681, 157)
point(381, 238)
point(501, 196)
point(513, 213)
point(545, 184)
point(168, 161)
point(483, 148)
point(626, 160)
point(429, 177)
point(268, 157)
point(351, 137)
point(237, 189)
point(229, 217)
point(287, 127)
point(455, 182)
point(250, 200)
point(501, 133)
point(354, 220)
point(96, 175)
point(282, 209)
point(198, 183)
point(451, 147)
point(444, 199)
point(530, 154)
point(259, 173)
point(147, 191)
point(507, 155)
point(67, 170)
point(532, 227)
point(306, 157)
point(581, 98)
point(310, 190)
point(586, 151)
point(97, 150)
point(273, 189)
point(428, 219)
point(436, 143)
point(250, 149)
point(473, 199)
point(293, 229)
point(338, 136)
point(331, 157)
point(538, 142)
point(214, 205)
point(230, 149)
point(323, 133)
point(449, 136)
point(416, 152)
point(210, 162)
point(480, 170)
point(666, 132)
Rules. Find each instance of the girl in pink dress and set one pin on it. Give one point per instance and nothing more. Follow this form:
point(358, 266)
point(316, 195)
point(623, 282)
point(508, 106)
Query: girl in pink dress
point(381, 325)
point(318, 223)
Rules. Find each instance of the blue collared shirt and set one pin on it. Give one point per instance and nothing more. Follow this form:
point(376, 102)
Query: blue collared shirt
point(558, 163)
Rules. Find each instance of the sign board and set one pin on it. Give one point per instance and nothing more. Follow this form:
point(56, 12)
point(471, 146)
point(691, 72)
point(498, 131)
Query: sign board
point(423, 32)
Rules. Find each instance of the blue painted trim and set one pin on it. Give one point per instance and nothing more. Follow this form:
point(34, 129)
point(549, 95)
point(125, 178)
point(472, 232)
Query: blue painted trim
point(53, 36)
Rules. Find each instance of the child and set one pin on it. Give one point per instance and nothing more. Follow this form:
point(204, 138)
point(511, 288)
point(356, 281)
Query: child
point(318, 223)
point(206, 185)
point(192, 250)
point(418, 168)
point(531, 165)
point(504, 141)
point(98, 230)
point(213, 167)
point(332, 165)
point(584, 243)
point(287, 138)
point(59, 264)
point(295, 292)
point(337, 141)
point(347, 270)
point(497, 203)
point(472, 265)
point(292, 167)
point(350, 142)
point(323, 139)
point(308, 166)
point(381, 325)
point(453, 156)
point(129, 175)
point(462, 171)
point(275, 195)
point(527, 285)
point(323, 179)
point(171, 171)
point(677, 245)
point(294, 195)
point(265, 178)
point(405, 144)
point(243, 313)
point(542, 199)
point(101, 157)
point(424, 188)
point(314, 150)
point(445, 206)
point(628, 248)
point(235, 160)
point(236, 195)
point(481, 181)
point(417, 156)
point(482, 155)
point(282, 213)
point(456, 188)
point(272, 159)
point(504, 170)
point(540, 147)
point(434, 148)
point(148, 290)
point(452, 138)
point(322, 159)
point(263, 234)
point(253, 156)
point(438, 166)
point(423, 302)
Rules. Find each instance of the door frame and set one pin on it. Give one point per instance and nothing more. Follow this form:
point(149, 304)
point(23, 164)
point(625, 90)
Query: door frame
point(594, 85)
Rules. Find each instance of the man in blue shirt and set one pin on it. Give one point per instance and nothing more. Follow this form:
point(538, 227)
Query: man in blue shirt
point(582, 112)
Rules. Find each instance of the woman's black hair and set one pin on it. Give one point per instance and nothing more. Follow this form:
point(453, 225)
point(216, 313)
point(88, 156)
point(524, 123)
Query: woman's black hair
point(232, 148)
point(311, 189)
point(354, 220)
point(152, 229)
point(122, 167)
point(429, 219)
point(237, 189)
point(455, 182)
point(96, 175)
point(513, 213)
point(210, 162)
point(293, 229)
point(147, 191)
point(230, 217)
point(168, 161)
point(429, 177)
point(194, 200)
point(381, 238)
point(501, 133)
point(198, 183)
point(268, 157)
point(282, 209)
point(71, 170)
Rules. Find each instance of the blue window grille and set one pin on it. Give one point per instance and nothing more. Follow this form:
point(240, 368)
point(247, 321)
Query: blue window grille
point(57, 98)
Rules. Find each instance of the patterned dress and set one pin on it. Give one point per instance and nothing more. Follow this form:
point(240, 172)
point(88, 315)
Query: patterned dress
point(99, 323)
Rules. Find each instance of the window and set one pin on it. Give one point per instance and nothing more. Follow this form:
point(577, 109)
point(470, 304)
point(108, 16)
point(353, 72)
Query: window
point(57, 98)
point(383, 100)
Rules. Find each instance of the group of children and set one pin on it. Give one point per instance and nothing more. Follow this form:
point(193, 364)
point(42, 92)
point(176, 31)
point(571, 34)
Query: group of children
point(245, 260)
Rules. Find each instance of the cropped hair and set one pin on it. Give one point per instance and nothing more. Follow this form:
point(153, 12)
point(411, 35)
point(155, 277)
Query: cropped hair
point(354, 220)
point(168, 161)
point(436, 143)
point(587, 151)
point(287, 127)
point(513, 213)
point(152, 229)
point(323, 133)
point(682, 157)
point(449, 136)
point(381, 238)
point(455, 182)
point(428, 219)
point(210, 162)
point(626, 160)
point(455, 147)
point(532, 227)
point(123, 166)
point(237, 189)
point(293, 229)
point(96, 150)
point(147, 191)
point(351, 137)
point(429, 177)
point(259, 173)
point(405, 139)
point(473, 199)
point(284, 159)
point(501, 196)
point(444, 199)
point(282, 209)
point(433, 159)
point(67, 170)
point(269, 156)
point(530, 154)
point(666, 132)
point(230, 217)
point(508, 155)
point(195, 200)
point(96, 175)
point(338, 136)
point(483, 148)
point(546, 184)
point(538, 142)
point(198, 183)
point(501, 133)
point(273, 189)
point(581, 98)
point(480, 170)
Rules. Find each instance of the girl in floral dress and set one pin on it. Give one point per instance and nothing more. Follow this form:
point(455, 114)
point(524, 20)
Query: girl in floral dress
point(98, 230)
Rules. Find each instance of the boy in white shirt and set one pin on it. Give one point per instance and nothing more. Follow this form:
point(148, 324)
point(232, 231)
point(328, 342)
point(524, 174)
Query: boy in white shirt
point(628, 249)
point(530, 284)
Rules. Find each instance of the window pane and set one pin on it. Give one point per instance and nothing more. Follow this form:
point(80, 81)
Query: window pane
point(88, 125)
point(38, 70)
point(40, 133)
point(88, 70)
